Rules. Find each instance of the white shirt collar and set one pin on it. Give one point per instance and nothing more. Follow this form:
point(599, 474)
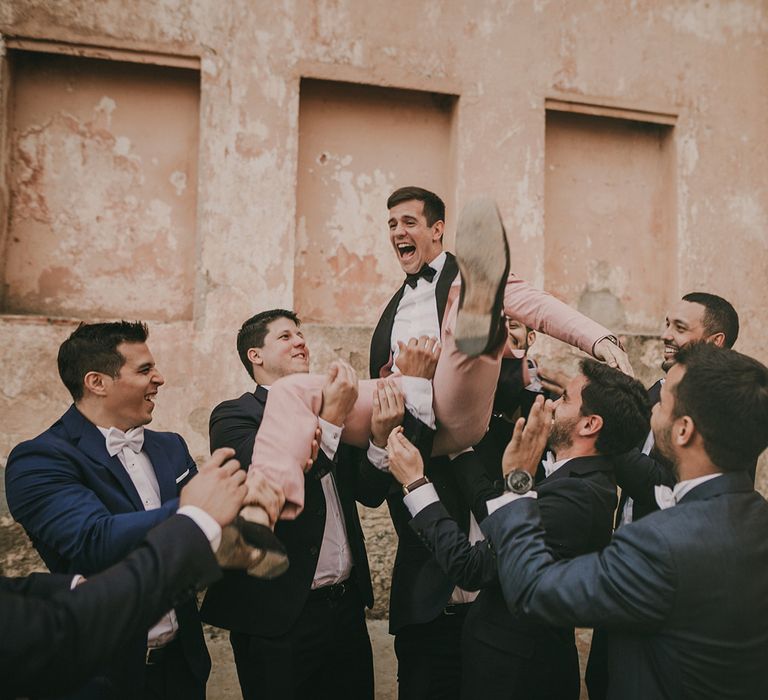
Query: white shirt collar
point(667, 497)
point(550, 465)
point(438, 264)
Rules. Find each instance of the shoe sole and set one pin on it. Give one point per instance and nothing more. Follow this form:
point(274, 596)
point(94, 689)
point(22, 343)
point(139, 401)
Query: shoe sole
point(275, 562)
point(482, 254)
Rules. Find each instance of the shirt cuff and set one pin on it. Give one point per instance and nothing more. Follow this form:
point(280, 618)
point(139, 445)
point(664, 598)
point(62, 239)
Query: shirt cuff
point(418, 398)
point(418, 499)
point(211, 529)
point(495, 503)
point(330, 435)
point(378, 457)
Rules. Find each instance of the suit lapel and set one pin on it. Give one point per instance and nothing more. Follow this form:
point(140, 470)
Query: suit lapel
point(92, 443)
point(380, 341)
point(443, 286)
point(166, 478)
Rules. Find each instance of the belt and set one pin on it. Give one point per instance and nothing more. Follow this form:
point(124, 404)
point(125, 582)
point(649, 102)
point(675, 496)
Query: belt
point(456, 608)
point(336, 591)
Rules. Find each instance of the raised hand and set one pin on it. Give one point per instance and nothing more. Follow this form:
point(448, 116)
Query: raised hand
point(388, 411)
point(218, 487)
point(418, 358)
point(339, 393)
point(405, 462)
point(529, 438)
point(613, 356)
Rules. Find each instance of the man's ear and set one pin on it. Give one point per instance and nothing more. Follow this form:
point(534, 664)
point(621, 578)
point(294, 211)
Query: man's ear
point(717, 339)
point(254, 356)
point(531, 338)
point(438, 230)
point(592, 425)
point(683, 431)
point(97, 383)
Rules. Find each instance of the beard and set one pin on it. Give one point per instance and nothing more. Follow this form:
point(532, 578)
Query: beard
point(560, 435)
point(663, 445)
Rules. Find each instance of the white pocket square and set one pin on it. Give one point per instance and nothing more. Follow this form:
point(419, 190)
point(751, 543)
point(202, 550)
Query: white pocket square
point(182, 477)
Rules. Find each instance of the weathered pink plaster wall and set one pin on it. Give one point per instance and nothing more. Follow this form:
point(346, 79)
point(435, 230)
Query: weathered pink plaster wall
point(703, 63)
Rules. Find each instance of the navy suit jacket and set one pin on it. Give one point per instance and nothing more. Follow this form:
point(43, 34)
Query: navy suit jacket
point(82, 512)
point(54, 638)
point(682, 593)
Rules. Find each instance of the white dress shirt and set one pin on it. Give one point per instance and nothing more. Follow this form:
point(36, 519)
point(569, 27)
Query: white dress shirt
point(668, 497)
point(416, 313)
point(142, 474)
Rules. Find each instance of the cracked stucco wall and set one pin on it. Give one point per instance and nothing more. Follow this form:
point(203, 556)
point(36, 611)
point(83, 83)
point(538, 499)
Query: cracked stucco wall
point(705, 63)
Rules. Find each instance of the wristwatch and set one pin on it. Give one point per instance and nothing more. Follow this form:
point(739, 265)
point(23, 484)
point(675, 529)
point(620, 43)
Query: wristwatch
point(407, 488)
point(518, 481)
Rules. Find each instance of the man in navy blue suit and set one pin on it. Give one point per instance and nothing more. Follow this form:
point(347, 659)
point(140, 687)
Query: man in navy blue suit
point(683, 592)
point(88, 490)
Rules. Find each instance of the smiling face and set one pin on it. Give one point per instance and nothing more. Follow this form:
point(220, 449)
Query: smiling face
point(684, 324)
point(129, 398)
point(415, 243)
point(519, 337)
point(284, 352)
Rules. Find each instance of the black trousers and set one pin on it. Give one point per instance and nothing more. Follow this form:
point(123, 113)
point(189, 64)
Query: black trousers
point(429, 657)
point(171, 677)
point(325, 655)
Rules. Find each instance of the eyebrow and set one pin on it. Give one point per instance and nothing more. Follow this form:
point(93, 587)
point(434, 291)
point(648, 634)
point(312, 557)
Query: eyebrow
point(145, 365)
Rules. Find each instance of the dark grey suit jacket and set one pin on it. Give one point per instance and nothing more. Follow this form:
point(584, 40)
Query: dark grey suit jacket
point(54, 638)
point(683, 593)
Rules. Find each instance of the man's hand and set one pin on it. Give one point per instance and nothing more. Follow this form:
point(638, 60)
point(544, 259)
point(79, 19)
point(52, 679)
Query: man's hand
point(405, 462)
point(552, 380)
point(314, 449)
point(339, 393)
point(613, 356)
point(264, 493)
point(388, 411)
point(529, 439)
point(218, 487)
point(419, 357)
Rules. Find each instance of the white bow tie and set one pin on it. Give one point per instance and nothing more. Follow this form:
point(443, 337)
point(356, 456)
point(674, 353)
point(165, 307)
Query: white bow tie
point(133, 439)
point(665, 496)
point(548, 463)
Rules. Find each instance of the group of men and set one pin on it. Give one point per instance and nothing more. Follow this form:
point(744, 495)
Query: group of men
point(500, 553)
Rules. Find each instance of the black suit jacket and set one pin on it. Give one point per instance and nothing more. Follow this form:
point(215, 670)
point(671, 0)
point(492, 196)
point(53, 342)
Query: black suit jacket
point(420, 589)
point(683, 593)
point(529, 659)
point(268, 608)
point(53, 639)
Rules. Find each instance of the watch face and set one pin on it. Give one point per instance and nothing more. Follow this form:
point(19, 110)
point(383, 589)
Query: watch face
point(519, 481)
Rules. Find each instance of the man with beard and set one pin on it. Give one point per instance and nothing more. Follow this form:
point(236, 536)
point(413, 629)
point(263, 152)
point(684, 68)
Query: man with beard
point(683, 592)
point(697, 317)
point(602, 412)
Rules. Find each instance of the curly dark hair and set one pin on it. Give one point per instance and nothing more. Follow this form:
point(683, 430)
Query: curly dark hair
point(621, 401)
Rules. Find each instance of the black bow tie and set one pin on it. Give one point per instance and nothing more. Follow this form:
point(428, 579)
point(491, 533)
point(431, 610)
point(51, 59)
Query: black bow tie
point(427, 272)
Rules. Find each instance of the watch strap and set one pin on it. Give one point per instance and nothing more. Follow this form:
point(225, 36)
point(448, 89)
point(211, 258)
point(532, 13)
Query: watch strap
point(407, 488)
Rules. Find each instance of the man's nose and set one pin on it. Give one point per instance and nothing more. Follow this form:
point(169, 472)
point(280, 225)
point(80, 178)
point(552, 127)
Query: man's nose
point(158, 379)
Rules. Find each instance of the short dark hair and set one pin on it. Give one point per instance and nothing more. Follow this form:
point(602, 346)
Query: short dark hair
point(434, 207)
point(255, 329)
point(621, 401)
point(92, 347)
point(719, 315)
point(725, 394)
